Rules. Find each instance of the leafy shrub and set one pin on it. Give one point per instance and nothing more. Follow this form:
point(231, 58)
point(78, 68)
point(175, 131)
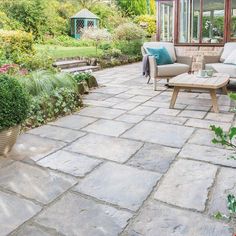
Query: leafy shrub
point(14, 102)
point(47, 107)
point(105, 45)
point(114, 52)
point(83, 76)
point(7, 23)
point(129, 31)
point(16, 44)
point(150, 22)
point(129, 47)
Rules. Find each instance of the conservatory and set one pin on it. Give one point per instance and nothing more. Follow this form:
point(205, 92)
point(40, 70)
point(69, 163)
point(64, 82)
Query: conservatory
point(196, 22)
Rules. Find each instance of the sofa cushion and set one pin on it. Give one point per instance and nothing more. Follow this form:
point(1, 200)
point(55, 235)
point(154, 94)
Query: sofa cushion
point(231, 59)
point(161, 55)
point(172, 69)
point(169, 46)
point(228, 48)
point(222, 68)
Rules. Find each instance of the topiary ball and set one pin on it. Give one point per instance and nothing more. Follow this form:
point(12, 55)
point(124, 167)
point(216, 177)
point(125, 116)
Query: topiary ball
point(14, 102)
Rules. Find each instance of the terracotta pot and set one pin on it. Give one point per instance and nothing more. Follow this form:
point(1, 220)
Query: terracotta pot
point(8, 139)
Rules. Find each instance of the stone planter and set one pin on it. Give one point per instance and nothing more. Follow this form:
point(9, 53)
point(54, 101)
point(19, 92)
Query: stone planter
point(8, 139)
point(92, 82)
point(83, 87)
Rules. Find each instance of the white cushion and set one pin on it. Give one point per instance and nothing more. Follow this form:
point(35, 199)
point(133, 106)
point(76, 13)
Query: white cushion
point(169, 47)
point(171, 70)
point(222, 68)
point(228, 48)
point(231, 59)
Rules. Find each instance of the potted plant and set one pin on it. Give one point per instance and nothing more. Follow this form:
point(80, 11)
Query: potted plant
point(14, 105)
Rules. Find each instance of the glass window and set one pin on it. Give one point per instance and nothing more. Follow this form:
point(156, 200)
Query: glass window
point(233, 20)
point(213, 21)
point(189, 21)
point(166, 16)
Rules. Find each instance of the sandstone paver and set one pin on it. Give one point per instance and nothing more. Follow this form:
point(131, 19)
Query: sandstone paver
point(160, 133)
point(33, 182)
point(70, 163)
point(187, 184)
point(154, 157)
point(75, 215)
point(14, 212)
point(158, 219)
point(31, 230)
point(129, 118)
point(122, 185)
point(111, 148)
point(108, 127)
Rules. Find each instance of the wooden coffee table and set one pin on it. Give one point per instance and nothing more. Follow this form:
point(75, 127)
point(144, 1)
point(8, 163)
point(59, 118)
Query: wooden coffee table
point(192, 81)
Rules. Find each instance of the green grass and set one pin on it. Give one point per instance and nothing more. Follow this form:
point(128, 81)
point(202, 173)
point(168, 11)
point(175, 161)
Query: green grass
point(64, 52)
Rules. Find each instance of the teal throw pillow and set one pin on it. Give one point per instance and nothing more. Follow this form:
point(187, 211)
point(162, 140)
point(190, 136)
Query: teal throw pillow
point(161, 54)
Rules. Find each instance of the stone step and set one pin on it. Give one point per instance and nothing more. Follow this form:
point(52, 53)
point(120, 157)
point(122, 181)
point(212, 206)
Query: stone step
point(81, 69)
point(70, 64)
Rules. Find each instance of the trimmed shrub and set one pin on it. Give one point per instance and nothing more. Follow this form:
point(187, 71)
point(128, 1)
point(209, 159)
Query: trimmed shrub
point(129, 31)
point(129, 47)
point(14, 102)
point(16, 44)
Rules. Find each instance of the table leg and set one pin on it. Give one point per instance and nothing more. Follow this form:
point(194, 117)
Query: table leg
point(225, 91)
point(174, 97)
point(214, 100)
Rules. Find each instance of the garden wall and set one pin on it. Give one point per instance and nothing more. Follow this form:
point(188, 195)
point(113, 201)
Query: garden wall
point(197, 52)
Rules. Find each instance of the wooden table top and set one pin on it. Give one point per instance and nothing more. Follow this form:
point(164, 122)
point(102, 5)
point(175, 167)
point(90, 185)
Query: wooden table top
point(218, 80)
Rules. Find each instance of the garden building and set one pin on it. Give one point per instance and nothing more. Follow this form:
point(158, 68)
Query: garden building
point(197, 27)
point(82, 20)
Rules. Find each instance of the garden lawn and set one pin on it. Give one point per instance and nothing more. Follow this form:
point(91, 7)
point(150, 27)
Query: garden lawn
point(63, 52)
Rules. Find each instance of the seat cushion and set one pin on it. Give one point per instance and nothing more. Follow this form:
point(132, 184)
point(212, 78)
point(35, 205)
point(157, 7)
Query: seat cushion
point(222, 68)
point(228, 48)
point(172, 70)
point(231, 59)
point(169, 46)
point(161, 55)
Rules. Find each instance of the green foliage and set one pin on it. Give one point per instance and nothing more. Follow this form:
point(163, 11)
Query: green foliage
point(133, 7)
point(84, 76)
point(14, 102)
point(47, 107)
point(15, 44)
point(43, 82)
point(129, 47)
point(7, 23)
point(129, 31)
point(231, 204)
point(148, 20)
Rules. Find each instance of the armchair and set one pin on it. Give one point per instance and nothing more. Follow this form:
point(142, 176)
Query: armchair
point(182, 64)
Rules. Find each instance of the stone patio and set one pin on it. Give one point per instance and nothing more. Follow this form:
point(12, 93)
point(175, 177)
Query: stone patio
point(124, 165)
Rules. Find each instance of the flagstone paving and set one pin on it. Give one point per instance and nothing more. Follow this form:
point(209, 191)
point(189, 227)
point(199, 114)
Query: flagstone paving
point(126, 164)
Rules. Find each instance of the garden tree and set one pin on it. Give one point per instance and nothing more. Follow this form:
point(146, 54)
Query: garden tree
point(88, 3)
point(133, 7)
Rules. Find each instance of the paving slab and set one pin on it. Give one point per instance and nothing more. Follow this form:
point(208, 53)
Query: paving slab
point(73, 122)
point(98, 96)
point(77, 216)
point(96, 103)
point(205, 124)
point(111, 148)
point(129, 118)
point(192, 114)
point(225, 184)
point(108, 127)
point(57, 133)
point(222, 117)
point(31, 230)
point(33, 147)
point(33, 182)
point(121, 185)
point(142, 110)
point(208, 154)
point(164, 134)
point(101, 112)
point(70, 163)
point(158, 219)
point(166, 119)
point(139, 98)
point(126, 105)
point(14, 212)
point(187, 184)
point(5, 161)
point(167, 111)
point(198, 108)
point(154, 157)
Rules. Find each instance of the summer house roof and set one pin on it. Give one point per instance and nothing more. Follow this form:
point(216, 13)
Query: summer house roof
point(85, 13)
